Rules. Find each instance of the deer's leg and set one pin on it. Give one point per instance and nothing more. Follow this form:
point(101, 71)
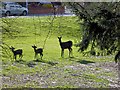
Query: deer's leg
point(20, 56)
point(35, 56)
point(62, 53)
point(70, 51)
point(15, 57)
point(41, 55)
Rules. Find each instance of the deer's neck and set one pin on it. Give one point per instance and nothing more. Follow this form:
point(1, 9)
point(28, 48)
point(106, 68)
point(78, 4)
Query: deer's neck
point(35, 49)
point(60, 41)
point(13, 51)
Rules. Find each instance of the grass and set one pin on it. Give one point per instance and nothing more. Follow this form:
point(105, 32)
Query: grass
point(63, 72)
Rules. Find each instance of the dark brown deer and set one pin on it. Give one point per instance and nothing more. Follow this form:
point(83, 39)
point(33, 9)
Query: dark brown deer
point(38, 51)
point(16, 52)
point(65, 45)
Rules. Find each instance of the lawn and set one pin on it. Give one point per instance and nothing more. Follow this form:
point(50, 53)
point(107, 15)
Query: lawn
point(52, 71)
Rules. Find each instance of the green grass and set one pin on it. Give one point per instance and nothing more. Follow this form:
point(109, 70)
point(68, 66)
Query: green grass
point(34, 30)
point(29, 35)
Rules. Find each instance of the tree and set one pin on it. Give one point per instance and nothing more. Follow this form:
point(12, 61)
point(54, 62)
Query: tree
point(101, 26)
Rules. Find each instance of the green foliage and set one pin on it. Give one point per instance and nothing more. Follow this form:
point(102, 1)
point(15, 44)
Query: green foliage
point(100, 23)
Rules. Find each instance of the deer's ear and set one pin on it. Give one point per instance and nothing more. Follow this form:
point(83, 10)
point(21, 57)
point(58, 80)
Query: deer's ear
point(59, 36)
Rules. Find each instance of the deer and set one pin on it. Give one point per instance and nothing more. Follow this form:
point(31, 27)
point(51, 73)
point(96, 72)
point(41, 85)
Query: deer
point(38, 51)
point(65, 45)
point(16, 52)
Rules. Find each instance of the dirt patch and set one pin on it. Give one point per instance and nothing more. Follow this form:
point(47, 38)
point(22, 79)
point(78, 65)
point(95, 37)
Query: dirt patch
point(104, 74)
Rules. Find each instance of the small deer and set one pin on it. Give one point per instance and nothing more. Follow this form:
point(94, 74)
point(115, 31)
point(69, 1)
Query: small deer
point(38, 51)
point(65, 45)
point(16, 52)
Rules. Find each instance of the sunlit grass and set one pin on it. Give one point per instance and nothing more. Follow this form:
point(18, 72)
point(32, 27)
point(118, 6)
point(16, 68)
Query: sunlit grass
point(34, 31)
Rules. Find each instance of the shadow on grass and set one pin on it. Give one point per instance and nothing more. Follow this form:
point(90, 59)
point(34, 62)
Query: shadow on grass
point(20, 61)
point(31, 64)
point(80, 60)
point(47, 62)
point(85, 61)
point(68, 58)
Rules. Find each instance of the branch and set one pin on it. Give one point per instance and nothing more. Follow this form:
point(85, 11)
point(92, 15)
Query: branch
point(51, 24)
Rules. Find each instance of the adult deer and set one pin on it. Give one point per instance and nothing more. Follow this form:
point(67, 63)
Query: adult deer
point(65, 45)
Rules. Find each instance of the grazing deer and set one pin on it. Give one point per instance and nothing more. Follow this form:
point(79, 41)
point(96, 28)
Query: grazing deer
point(16, 52)
point(65, 45)
point(38, 51)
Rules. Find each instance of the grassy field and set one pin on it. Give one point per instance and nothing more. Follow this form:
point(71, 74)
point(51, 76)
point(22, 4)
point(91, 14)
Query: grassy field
point(53, 71)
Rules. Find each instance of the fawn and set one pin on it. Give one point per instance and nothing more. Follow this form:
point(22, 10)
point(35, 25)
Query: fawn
point(16, 52)
point(38, 51)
